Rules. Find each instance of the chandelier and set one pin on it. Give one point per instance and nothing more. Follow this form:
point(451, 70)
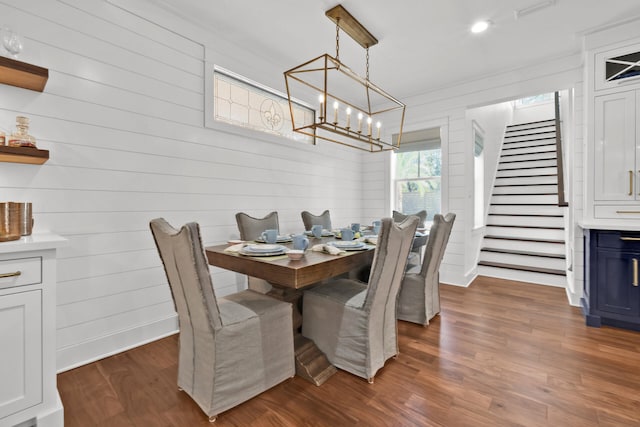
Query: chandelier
point(352, 111)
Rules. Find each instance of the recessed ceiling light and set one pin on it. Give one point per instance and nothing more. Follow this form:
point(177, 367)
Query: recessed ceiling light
point(480, 27)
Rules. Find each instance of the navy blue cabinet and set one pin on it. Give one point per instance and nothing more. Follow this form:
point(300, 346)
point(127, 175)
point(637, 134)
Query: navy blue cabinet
point(611, 286)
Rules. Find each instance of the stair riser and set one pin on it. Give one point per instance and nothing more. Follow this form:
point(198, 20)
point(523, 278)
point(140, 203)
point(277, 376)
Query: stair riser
point(524, 276)
point(526, 260)
point(511, 151)
point(525, 199)
point(525, 144)
point(526, 189)
point(549, 248)
point(527, 172)
point(530, 210)
point(524, 165)
point(525, 220)
point(533, 156)
point(531, 127)
point(527, 136)
point(531, 233)
point(532, 180)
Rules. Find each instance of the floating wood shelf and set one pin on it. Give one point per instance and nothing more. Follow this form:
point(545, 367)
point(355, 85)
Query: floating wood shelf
point(21, 74)
point(32, 156)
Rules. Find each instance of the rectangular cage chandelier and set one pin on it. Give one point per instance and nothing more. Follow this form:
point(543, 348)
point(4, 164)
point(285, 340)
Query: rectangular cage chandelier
point(352, 110)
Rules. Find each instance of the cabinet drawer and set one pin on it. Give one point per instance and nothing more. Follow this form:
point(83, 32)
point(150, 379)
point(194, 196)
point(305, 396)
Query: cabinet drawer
point(20, 272)
point(619, 240)
point(617, 211)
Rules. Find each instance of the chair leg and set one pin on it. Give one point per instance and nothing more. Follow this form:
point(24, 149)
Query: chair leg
point(370, 380)
point(213, 418)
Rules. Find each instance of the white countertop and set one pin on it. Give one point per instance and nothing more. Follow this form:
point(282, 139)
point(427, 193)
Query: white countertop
point(631, 225)
point(35, 242)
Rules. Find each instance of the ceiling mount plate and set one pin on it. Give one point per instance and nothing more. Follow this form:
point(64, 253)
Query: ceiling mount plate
point(351, 26)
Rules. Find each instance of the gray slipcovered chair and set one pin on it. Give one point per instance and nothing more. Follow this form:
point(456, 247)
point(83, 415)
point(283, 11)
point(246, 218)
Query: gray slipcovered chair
point(250, 229)
point(419, 298)
point(354, 323)
point(231, 348)
point(419, 241)
point(309, 220)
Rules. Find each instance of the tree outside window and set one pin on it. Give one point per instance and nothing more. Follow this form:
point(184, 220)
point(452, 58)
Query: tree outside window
point(417, 181)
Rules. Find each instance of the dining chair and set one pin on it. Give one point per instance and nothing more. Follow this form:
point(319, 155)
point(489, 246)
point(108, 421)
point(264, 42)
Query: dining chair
point(309, 220)
point(232, 348)
point(354, 323)
point(250, 229)
point(419, 241)
point(419, 296)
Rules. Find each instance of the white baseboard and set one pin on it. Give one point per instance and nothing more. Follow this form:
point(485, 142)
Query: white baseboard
point(455, 278)
point(89, 351)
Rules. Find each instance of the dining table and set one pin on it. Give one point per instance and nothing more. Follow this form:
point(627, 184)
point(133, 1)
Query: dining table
point(288, 279)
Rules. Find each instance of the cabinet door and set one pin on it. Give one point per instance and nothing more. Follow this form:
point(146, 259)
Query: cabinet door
point(615, 172)
point(21, 354)
point(617, 282)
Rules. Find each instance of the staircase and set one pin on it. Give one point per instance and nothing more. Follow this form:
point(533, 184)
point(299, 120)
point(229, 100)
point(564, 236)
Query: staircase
point(524, 237)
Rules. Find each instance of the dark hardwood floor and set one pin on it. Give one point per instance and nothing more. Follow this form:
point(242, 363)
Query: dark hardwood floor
point(501, 353)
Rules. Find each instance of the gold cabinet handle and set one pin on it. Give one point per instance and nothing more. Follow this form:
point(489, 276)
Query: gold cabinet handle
point(635, 272)
point(631, 183)
point(633, 239)
point(14, 274)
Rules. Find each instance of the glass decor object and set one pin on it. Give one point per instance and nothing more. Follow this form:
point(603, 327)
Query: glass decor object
point(12, 42)
point(20, 137)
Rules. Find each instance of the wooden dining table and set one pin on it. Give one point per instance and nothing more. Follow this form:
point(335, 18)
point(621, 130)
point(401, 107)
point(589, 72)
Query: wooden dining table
point(288, 278)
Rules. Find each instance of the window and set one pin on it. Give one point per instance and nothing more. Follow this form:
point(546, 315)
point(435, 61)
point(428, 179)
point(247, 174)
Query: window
point(478, 174)
point(417, 176)
point(241, 102)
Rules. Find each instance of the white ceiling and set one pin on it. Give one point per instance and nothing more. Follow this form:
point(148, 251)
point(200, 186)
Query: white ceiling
point(423, 44)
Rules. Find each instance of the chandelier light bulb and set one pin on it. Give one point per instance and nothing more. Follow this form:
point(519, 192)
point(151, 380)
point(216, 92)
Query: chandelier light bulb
point(480, 27)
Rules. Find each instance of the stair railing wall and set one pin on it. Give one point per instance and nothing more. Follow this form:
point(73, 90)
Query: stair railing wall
point(561, 197)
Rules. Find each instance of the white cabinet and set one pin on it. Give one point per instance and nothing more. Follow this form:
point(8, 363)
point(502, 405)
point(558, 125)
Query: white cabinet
point(21, 357)
point(28, 392)
point(616, 151)
point(612, 162)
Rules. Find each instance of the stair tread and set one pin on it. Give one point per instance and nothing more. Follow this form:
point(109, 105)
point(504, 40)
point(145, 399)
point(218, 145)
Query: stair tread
point(529, 146)
point(527, 160)
point(519, 214)
point(530, 154)
point(525, 176)
point(537, 122)
point(523, 268)
point(525, 185)
point(526, 140)
point(517, 252)
point(526, 226)
point(530, 167)
point(524, 239)
point(525, 194)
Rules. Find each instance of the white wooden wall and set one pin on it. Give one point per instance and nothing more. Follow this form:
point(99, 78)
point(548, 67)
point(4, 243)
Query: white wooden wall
point(122, 116)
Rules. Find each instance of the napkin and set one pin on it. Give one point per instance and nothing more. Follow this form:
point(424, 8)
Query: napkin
point(328, 249)
point(371, 239)
point(235, 248)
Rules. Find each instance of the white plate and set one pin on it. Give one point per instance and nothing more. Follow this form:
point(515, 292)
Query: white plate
point(280, 239)
point(354, 244)
point(325, 233)
point(263, 248)
point(252, 253)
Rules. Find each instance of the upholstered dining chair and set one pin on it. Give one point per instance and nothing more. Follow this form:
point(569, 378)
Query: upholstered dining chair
point(309, 220)
point(354, 323)
point(231, 348)
point(418, 243)
point(419, 297)
point(250, 229)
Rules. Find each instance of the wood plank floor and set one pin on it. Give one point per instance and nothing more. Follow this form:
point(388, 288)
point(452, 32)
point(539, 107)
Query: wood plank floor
point(501, 353)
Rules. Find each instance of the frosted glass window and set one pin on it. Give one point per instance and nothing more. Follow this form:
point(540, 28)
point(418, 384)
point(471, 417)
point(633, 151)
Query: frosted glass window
point(243, 103)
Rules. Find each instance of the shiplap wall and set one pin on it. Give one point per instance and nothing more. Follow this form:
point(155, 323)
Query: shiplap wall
point(122, 116)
